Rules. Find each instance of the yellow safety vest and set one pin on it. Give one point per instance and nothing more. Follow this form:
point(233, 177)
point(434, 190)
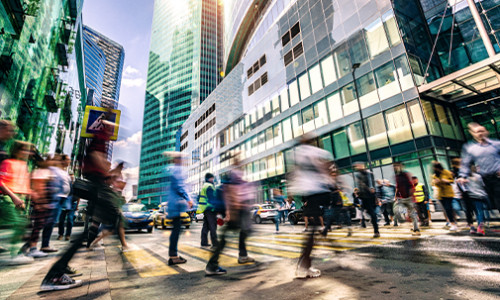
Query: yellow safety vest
point(202, 203)
point(419, 193)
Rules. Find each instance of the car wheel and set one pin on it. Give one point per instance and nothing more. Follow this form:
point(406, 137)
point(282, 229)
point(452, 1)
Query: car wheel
point(292, 219)
point(258, 220)
point(150, 230)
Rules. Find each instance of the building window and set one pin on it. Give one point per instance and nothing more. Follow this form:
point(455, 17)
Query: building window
point(398, 125)
point(308, 119)
point(356, 140)
point(416, 119)
point(335, 106)
point(263, 79)
point(250, 89)
point(391, 28)
point(298, 50)
point(320, 114)
point(341, 146)
point(297, 125)
point(357, 49)
point(294, 93)
point(295, 30)
point(287, 130)
point(288, 58)
point(348, 100)
point(328, 70)
point(305, 90)
point(431, 118)
point(316, 82)
point(376, 39)
point(262, 60)
point(275, 103)
point(404, 73)
point(284, 100)
point(285, 39)
point(367, 90)
point(342, 61)
point(376, 132)
point(386, 81)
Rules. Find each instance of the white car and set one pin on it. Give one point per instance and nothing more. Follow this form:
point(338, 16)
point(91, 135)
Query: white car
point(263, 212)
point(220, 219)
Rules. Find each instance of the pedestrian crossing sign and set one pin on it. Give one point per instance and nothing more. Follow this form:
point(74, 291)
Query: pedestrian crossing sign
point(93, 121)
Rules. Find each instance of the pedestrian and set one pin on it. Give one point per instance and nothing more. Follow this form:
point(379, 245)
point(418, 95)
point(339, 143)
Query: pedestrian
point(404, 194)
point(485, 154)
point(67, 204)
point(68, 214)
point(279, 199)
point(15, 187)
point(421, 196)
point(389, 192)
point(311, 180)
point(333, 209)
point(366, 192)
point(443, 179)
point(207, 196)
point(178, 201)
point(358, 203)
point(462, 194)
point(237, 194)
point(477, 193)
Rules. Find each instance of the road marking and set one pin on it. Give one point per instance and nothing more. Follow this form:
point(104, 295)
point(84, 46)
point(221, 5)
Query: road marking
point(267, 251)
point(295, 244)
point(205, 255)
point(327, 239)
point(147, 265)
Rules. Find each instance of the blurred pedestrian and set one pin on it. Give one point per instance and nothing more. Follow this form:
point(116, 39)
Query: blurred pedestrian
point(279, 200)
point(477, 193)
point(366, 192)
point(358, 203)
point(404, 194)
point(238, 195)
point(67, 216)
point(389, 193)
point(462, 194)
point(311, 180)
point(443, 179)
point(178, 202)
point(207, 200)
point(421, 196)
point(15, 187)
point(333, 209)
point(6, 134)
point(66, 211)
point(485, 154)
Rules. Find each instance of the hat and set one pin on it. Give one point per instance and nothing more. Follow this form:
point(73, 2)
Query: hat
point(208, 176)
point(174, 154)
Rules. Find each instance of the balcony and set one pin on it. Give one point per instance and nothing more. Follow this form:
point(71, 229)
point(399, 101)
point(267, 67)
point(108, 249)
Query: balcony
point(62, 54)
point(51, 102)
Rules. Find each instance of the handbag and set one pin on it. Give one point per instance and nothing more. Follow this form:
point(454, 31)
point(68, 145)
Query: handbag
point(82, 188)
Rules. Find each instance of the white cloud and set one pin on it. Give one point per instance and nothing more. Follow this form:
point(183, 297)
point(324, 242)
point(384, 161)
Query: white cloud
point(135, 82)
point(135, 139)
point(131, 174)
point(129, 71)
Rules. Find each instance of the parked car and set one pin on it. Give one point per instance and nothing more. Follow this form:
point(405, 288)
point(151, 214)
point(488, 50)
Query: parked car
point(160, 218)
point(263, 212)
point(137, 216)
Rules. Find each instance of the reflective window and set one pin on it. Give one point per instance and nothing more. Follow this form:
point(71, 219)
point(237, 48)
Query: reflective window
point(375, 38)
point(287, 130)
point(386, 81)
point(444, 121)
point(367, 90)
point(280, 164)
point(297, 125)
point(348, 100)
point(308, 118)
point(334, 106)
point(432, 121)
point(328, 70)
point(325, 142)
point(342, 61)
point(391, 28)
point(320, 114)
point(404, 74)
point(255, 145)
point(284, 100)
point(276, 105)
point(376, 133)
point(341, 146)
point(459, 134)
point(356, 140)
point(248, 148)
point(262, 141)
point(277, 134)
point(316, 82)
point(416, 119)
point(294, 93)
point(357, 49)
point(305, 90)
point(269, 138)
point(398, 125)
point(271, 166)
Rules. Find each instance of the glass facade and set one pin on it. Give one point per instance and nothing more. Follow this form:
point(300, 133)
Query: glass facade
point(185, 64)
point(95, 63)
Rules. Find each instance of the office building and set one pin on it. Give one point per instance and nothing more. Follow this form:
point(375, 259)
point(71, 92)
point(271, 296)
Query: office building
point(295, 67)
point(185, 65)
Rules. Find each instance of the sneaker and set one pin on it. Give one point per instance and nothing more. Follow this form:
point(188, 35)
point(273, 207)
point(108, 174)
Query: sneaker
point(63, 282)
point(21, 259)
point(416, 233)
point(205, 245)
point(35, 253)
point(59, 238)
point(71, 272)
point(349, 231)
point(245, 259)
point(387, 224)
point(66, 238)
point(218, 271)
point(176, 261)
point(480, 230)
point(453, 228)
point(396, 224)
point(376, 235)
point(305, 229)
point(472, 230)
point(48, 250)
point(276, 232)
point(307, 273)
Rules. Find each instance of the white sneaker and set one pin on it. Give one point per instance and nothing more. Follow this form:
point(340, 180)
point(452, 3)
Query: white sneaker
point(453, 228)
point(35, 253)
point(21, 259)
point(307, 273)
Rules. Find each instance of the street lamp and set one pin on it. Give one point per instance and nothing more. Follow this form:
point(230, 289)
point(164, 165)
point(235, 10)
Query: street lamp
point(362, 119)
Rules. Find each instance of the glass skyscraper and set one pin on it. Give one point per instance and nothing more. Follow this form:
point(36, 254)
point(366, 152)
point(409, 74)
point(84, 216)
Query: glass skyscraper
point(95, 63)
point(185, 65)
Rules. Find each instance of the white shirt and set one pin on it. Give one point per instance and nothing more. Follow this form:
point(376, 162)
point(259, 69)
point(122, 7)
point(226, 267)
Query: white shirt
point(66, 182)
point(309, 176)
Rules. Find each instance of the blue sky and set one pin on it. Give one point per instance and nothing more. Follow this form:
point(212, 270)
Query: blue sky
point(127, 22)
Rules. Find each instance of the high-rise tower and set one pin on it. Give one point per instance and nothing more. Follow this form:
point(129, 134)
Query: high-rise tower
point(185, 64)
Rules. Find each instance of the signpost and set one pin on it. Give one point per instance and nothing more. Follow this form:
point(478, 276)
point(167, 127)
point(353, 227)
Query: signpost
point(93, 121)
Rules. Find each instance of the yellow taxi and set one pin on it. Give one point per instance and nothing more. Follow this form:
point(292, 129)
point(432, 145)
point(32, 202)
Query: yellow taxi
point(160, 218)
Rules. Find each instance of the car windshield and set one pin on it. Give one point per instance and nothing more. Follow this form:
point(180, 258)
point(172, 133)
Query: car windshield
point(134, 208)
point(267, 207)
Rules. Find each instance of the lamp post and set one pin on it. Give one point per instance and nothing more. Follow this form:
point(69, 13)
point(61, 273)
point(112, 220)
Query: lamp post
point(362, 120)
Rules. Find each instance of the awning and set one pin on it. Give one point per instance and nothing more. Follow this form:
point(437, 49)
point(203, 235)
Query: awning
point(472, 81)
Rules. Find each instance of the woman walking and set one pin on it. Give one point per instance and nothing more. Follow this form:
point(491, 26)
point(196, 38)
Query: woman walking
point(443, 179)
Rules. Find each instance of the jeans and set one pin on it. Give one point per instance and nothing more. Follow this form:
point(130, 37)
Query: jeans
point(243, 224)
point(385, 212)
point(448, 208)
point(69, 215)
point(48, 228)
point(11, 218)
point(174, 236)
point(470, 207)
point(370, 210)
point(479, 205)
point(277, 220)
point(209, 225)
point(408, 203)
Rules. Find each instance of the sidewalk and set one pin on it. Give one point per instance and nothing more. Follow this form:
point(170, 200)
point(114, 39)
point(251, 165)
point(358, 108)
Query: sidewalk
point(23, 282)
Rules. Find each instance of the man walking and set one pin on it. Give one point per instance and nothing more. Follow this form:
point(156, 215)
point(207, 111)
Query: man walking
point(485, 154)
point(205, 206)
point(364, 181)
point(404, 194)
point(421, 196)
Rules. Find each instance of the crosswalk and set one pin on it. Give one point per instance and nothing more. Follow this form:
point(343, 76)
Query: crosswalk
point(151, 259)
